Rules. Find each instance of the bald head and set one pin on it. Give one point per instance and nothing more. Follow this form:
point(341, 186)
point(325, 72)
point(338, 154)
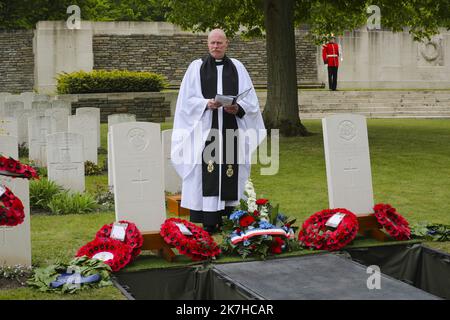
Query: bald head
point(217, 43)
point(217, 32)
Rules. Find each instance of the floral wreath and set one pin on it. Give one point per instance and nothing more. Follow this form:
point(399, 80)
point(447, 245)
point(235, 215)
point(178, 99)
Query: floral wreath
point(14, 168)
point(198, 246)
point(11, 209)
point(133, 236)
point(113, 252)
point(392, 221)
point(315, 234)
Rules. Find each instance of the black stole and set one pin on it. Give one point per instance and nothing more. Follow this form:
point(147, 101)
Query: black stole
point(210, 169)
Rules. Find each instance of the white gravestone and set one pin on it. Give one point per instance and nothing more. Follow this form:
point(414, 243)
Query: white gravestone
point(138, 174)
point(114, 119)
point(61, 103)
point(110, 171)
point(12, 107)
point(15, 242)
point(41, 97)
point(3, 96)
point(22, 117)
point(27, 98)
point(87, 127)
point(40, 107)
point(348, 163)
point(172, 181)
point(13, 98)
point(9, 147)
point(38, 129)
point(120, 118)
point(65, 160)
point(93, 112)
point(8, 126)
point(61, 115)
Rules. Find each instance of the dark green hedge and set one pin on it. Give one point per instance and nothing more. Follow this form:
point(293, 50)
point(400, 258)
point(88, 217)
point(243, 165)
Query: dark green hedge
point(102, 81)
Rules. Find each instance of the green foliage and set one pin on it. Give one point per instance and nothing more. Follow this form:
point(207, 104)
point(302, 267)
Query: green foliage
point(17, 273)
point(431, 231)
point(422, 17)
point(26, 13)
point(91, 169)
point(100, 81)
point(104, 197)
point(72, 203)
point(42, 192)
point(23, 150)
point(43, 277)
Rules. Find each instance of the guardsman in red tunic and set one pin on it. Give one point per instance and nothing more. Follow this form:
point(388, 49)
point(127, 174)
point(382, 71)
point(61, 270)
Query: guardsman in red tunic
point(330, 55)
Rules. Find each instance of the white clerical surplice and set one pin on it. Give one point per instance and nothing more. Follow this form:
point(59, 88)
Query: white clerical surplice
point(192, 124)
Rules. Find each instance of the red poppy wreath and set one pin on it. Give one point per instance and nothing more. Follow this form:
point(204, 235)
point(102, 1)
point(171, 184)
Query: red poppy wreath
point(11, 208)
point(315, 234)
point(133, 236)
point(392, 221)
point(198, 246)
point(14, 168)
point(113, 252)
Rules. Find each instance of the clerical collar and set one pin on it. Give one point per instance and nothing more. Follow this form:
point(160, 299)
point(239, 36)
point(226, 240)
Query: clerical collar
point(219, 62)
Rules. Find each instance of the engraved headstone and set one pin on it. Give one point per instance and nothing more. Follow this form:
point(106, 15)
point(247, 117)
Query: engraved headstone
point(8, 126)
point(15, 242)
point(86, 126)
point(114, 119)
point(22, 117)
point(38, 129)
point(40, 107)
point(65, 160)
point(119, 118)
point(11, 107)
point(348, 163)
point(92, 112)
point(60, 112)
point(3, 96)
point(9, 147)
point(138, 174)
point(27, 98)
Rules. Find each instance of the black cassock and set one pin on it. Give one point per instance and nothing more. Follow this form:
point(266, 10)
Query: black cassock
point(227, 186)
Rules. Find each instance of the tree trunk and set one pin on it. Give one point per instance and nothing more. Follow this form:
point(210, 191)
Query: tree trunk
point(281, 109)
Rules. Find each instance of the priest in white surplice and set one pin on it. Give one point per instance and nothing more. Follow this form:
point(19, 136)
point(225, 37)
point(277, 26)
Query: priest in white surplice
point(213, 165)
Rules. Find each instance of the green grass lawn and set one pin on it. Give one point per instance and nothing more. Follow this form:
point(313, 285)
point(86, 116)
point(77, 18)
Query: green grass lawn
point(410, 170)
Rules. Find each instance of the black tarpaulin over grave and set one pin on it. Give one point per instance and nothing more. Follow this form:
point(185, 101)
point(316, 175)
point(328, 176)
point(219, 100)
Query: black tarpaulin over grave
point(315, 276)
point(418, 265)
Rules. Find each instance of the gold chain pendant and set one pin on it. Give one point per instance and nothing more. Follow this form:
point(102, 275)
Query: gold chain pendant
point(230, 171)
point(210, 166)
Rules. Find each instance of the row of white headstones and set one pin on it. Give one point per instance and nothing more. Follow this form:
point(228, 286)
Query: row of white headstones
point(137, 166)
point(136, 158)
point(63, 142)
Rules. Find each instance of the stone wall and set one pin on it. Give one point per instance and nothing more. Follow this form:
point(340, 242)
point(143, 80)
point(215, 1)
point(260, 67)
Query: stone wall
point(16, 61)
point(171, 55)
point(152, 107)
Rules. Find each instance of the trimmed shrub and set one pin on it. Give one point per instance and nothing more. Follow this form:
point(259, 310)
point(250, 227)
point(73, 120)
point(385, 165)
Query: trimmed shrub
point(103, 81)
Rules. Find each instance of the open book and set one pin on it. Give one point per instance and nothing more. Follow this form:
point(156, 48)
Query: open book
point(229, 100)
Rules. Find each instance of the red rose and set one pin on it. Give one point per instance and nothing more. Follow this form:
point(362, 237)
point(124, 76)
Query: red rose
point(276, 246)
point(261, 202)
point(246, 221)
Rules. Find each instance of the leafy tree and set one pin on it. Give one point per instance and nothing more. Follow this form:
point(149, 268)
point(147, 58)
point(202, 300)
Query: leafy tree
point(278, 18)
point(25, 14)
